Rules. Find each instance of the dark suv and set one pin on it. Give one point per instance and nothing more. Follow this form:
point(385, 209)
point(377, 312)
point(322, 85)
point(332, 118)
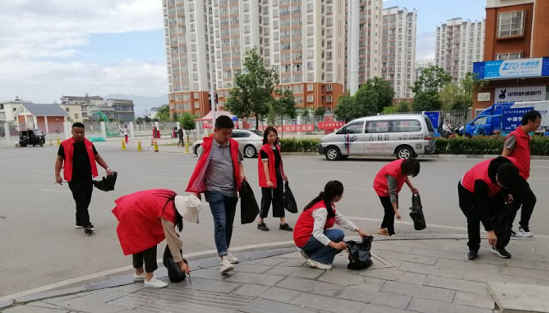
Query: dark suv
point(32, 137)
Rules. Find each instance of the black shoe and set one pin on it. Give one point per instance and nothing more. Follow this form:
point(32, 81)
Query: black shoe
point(262, 226)
point(501, 252)
point(472, 255)
point(286, 227)
point(513, 234)
point(88, 229)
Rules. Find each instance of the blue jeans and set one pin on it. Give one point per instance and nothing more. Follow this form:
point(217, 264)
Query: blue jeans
point(321, 253)
point(223, 211)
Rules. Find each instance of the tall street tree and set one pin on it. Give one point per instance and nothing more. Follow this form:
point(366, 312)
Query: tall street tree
point(371, 98)
point(431, 79)
point(188, 122)
point(163, 113)
point(252, 93)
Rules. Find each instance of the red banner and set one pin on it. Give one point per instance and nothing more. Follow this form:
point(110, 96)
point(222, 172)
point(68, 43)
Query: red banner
point(293, 128)
point(330, 125)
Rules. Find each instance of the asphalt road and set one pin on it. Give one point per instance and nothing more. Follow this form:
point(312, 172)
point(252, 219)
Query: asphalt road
point(39, 245)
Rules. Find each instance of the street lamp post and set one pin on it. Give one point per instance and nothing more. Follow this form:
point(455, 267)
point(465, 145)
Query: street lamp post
point(57, 125)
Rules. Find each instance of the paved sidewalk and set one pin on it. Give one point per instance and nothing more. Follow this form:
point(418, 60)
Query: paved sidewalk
point(410, 274)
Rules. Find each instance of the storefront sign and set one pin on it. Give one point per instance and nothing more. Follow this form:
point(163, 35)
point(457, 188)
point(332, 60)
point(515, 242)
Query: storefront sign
point(519, 94)
point(483, 96)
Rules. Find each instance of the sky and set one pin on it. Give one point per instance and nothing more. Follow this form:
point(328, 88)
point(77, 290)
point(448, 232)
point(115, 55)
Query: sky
point(51, 48)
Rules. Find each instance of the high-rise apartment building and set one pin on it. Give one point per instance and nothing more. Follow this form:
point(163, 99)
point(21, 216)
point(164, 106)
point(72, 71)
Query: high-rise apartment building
point(399, 50)
point(363, 48)
point(459, 44)
point(304, 40)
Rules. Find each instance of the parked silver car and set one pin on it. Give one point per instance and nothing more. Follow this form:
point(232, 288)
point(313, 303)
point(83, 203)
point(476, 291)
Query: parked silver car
point(250, 142)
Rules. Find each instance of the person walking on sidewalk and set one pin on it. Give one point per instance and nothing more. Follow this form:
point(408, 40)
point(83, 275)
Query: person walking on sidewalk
point(219, 174)
point(271, 180)
point(146, 218)
point(482, 192)
point(78, 157)
point(126, 133)
point(314, 236)
point(387, 184)
point(517, 145)
point(180, 135)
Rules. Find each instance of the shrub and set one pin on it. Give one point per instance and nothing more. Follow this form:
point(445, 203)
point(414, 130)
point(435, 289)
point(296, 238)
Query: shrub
point(297, 145)
point(485, 145)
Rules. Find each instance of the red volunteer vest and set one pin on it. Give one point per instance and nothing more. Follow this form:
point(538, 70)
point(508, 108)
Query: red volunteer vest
point(380, 182)
point(68, 149)
point(271, 163)
point(139, 226)
point(197, 182)
point(303, 229)
point(480, 171)
point(522, 151)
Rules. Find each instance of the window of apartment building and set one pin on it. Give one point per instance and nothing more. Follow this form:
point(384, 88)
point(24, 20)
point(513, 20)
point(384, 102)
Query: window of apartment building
point(67, 109)
point(275, 35)
point(275, 24)
point(310, 87)
point(511, 23)
point(277, 57)
point(329, 77)
point(276, 46)
point(310, 7)
point(195, 86)
point(298, 78)
point(329, 99)
point(329, 44)
point(310, 65)
point(509, 56)
point(310, 77)
point(247, 40)
point(310, 98)
point(310, 42)
point(246, 29)
point(310, 19)
point(246, 7)
point(197, 105)
point(310, 30)
point(246, 18)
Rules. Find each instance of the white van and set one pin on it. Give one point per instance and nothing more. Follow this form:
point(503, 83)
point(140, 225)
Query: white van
point(405, 136)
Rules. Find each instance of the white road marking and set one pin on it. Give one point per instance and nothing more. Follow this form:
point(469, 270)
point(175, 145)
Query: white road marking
point(160, 177)
point(42, 171)
point(50, 190)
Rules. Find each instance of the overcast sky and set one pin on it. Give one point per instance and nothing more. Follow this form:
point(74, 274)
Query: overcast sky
point(51, 48)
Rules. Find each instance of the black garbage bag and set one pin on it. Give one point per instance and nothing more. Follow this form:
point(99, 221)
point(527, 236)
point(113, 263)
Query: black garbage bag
point(502, 224)
point(289, 200)
point(359, 253)
point(107, 183)
point(174, 271)
point(416, 213)
point(248, 205)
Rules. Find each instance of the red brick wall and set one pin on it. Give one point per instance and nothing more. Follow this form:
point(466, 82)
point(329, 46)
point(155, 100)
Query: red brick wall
point(541, 29)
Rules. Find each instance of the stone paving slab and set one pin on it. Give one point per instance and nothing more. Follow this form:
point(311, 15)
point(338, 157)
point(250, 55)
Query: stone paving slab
point(515, 298)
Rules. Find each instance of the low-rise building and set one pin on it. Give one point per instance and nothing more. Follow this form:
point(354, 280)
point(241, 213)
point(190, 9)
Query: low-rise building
point(47, 117)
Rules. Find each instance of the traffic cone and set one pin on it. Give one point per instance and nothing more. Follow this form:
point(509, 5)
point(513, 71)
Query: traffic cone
point(123, 145)
point(139, 146)
point(155, 146)
point(58, 142)
point(186, 147)
point(51, 143)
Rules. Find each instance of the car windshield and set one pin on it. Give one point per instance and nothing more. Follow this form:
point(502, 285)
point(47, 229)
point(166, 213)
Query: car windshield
point(37, 132)
point(257, 132)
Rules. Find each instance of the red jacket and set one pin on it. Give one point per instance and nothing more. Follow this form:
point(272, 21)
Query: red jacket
point(521, 152)
point(68, 149)
point(271, 163)
point(380, 182)
point(197, 182)
point(480, 172)
point(304, 226)
point(139, 226)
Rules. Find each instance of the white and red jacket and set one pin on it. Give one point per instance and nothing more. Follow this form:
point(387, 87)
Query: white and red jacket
point(68, 150)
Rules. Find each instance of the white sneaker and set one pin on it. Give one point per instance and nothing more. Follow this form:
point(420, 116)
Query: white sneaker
point(225, 265)
point(138, 278)
point(155, 283)
point(321, 266)
point(232, 258)
point(524, 233)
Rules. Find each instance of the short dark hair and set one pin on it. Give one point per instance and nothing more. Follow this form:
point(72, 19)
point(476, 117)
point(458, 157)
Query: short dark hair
point(223, 122)
point(508, 174)
point(409, 167)
point(266, 133)
point(531, 115)
point(78, 124)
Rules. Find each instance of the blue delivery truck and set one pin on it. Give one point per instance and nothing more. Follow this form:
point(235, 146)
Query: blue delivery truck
point(503, 118)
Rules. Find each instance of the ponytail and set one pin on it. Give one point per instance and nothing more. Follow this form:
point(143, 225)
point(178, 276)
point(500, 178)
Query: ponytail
point(332, 189)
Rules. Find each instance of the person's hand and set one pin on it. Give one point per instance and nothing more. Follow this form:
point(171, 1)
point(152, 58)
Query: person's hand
point(397, 215)
point(58, 179)
point(414, 190)
point(242, 177)
point(269, 184)
point(492, 238)
point(109, 171)
point(198, 196)
point(285, 178)
point(509, 198)
point(339, 245)
point(185, 268)
point(363, 234)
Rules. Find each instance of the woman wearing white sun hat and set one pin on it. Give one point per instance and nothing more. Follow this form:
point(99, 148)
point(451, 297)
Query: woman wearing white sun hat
point(146, 218)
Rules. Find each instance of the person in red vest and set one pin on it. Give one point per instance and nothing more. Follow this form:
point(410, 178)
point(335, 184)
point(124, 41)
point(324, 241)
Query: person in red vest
point(517, 145)
point(219, 174)
point(387, 184)
point(317, 241)
point(77, 156)
point(271, 180)
point(483, 191)
point(146, 218)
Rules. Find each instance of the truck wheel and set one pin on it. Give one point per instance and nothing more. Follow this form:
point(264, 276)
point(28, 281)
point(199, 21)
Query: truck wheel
point(404, 152)
point(332, 153)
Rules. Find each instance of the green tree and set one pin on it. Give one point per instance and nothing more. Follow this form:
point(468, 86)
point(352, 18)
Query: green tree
point(163, 113)
point(187, 122)
point(460, 96)
point(431, 79)
point(427, 101)
point(371, 98)
point(320, 111)
point(389, 110)
point(285, 104)
point(346, 109)
point(253, 89)
point(403, 107)
point(469, 84)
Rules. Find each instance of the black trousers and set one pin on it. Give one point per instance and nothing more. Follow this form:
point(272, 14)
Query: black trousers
point(389, 217)
point(149, 256)
point(523, 196)
point(82, 193)
point(467, 205)
point(274, 196)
